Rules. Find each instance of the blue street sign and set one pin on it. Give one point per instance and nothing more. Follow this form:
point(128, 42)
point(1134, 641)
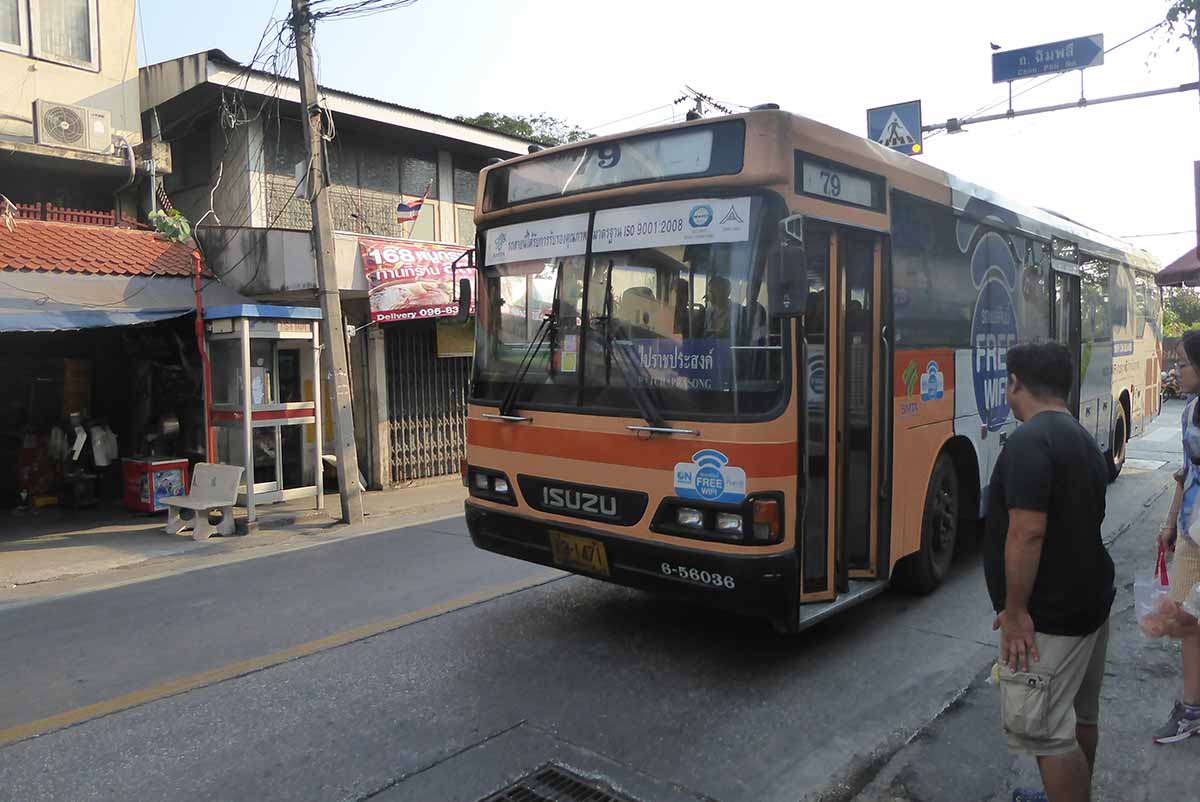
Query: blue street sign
point(1064, 56)
point(897, 127)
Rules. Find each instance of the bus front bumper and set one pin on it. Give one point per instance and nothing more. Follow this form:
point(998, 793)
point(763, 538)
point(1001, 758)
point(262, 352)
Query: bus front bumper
point(759, 585)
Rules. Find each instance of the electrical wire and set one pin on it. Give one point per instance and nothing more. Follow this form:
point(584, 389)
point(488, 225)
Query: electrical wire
point(1159, 234)
point(627, 118)
point(358, 9)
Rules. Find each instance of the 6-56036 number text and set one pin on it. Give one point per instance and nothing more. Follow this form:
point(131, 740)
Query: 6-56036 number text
point(710, 578)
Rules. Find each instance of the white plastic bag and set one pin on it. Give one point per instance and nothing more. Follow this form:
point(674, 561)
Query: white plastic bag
point(1155, 611)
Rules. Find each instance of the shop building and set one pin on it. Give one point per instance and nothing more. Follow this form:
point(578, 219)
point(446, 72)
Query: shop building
point(239, 157)
point(97, 326)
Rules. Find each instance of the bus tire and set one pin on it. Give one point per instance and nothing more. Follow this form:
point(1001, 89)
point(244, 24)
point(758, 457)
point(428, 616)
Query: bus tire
point(1115, 456)
point(923, 571)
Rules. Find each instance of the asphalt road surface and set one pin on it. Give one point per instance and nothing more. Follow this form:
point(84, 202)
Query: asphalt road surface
point(408, 665)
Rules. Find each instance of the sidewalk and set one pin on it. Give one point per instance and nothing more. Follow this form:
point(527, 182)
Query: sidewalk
point(962, 755)
point(63, 550)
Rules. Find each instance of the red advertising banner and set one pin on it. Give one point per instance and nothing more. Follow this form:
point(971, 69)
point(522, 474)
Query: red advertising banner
point(411, 280)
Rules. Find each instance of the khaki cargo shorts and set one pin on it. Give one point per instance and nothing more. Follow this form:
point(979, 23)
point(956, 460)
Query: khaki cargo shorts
point(1041, 708)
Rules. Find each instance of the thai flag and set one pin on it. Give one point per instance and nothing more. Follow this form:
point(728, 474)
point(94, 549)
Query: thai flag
point(408, 212)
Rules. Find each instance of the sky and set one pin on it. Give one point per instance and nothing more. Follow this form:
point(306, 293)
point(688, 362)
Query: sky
point(1123, 168)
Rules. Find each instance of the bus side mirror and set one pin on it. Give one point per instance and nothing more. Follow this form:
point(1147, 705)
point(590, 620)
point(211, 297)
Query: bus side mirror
point(464, 300)
point(787, 289)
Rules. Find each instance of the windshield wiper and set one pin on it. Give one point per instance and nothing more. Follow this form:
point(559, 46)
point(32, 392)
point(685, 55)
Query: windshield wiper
point(547, 330)
point(637, 377)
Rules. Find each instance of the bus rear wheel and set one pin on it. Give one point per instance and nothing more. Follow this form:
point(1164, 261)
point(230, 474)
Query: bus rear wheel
point(1120, 442)
point(923, 571)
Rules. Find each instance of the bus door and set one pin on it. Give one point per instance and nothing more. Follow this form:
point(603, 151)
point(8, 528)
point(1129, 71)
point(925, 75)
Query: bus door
point(846, 389)
point(1066, 324)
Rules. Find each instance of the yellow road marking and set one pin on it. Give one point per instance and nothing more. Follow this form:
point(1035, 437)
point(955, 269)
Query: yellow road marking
point(31, 729)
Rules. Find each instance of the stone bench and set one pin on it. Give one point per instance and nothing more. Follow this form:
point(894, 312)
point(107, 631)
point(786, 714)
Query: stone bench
point(214, 487)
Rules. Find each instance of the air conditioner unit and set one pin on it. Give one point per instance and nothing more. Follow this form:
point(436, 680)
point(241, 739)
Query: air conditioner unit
point(62, 125)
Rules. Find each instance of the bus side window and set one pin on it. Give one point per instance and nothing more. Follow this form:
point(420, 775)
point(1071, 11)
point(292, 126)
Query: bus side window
point(1140, 294)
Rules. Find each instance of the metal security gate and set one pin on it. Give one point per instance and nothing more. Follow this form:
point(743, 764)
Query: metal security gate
point(427, 403)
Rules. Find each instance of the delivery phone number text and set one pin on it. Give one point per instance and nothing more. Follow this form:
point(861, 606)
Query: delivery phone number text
point(432, 311)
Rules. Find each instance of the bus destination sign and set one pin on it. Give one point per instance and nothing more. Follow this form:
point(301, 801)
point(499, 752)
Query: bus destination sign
point(691, 152)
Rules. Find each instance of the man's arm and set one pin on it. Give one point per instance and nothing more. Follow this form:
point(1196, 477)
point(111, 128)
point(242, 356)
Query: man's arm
point(1022, 554)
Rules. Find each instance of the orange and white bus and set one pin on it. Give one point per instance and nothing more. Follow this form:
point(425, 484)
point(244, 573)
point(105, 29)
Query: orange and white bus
point(759, 362)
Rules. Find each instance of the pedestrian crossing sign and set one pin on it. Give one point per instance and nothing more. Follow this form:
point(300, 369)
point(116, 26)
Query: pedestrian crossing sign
point(897, 127)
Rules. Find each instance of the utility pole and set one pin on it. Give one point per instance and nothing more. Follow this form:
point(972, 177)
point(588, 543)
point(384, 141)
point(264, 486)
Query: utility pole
point(335, 363)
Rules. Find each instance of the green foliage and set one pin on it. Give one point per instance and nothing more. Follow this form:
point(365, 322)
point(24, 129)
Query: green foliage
point(541, 128)
point(1181, 311)
point(1181, 20)
point(171, 225)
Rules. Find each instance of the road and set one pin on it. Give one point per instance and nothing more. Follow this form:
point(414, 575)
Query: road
point(407, 665)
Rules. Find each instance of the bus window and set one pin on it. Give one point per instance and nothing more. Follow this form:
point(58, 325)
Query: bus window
point(1033, 300)
point(1153, 300)
point(1141, 290)
point(520, 297)
point(1097, 317)
point(688, 321)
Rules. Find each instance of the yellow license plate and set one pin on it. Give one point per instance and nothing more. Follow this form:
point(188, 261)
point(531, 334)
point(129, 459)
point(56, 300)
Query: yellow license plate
point(579, 553)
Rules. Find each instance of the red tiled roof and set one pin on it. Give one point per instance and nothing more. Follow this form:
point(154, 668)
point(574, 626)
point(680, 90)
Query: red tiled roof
point(93, 250)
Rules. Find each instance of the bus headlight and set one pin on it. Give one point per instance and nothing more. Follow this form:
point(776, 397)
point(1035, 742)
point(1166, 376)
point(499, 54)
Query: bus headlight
point(728, 522)
point(690, 517)
point(491, 485)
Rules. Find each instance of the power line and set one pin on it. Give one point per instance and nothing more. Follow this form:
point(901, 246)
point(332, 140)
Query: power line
point(142, 27)
point(324, 9)
point(1159, 234)
point(630, 117)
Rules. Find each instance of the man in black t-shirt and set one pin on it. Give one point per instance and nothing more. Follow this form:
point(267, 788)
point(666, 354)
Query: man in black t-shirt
point(1049, 575)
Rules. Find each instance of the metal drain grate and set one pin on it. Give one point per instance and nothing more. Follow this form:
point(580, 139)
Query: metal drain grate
point(552, 783)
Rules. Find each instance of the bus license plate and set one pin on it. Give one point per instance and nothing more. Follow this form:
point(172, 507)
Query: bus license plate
point(572, 551)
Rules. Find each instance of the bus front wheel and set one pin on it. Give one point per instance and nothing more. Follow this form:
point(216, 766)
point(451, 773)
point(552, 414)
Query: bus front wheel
point(923, 571)
point(1120, 442)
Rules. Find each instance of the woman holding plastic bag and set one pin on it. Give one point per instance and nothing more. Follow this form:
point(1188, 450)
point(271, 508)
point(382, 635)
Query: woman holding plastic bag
point(1181, 535)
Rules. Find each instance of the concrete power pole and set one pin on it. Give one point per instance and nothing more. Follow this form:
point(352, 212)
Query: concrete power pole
point(333, 333)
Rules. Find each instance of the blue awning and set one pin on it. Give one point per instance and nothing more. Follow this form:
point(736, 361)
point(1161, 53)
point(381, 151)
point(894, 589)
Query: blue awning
point(34, 301)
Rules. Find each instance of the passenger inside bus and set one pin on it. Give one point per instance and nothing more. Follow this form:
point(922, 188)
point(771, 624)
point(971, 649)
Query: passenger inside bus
point(717, 308)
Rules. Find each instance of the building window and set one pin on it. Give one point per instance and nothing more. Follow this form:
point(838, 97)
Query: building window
point(193, 163)
point(65, 31)
point(13, 25)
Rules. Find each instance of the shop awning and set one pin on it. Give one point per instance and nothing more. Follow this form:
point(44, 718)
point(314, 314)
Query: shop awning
point(1184, 271)
point(41, 301)
point(60, 276)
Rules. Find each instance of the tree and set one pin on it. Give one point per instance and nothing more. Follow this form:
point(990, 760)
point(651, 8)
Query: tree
point(541, 128)
point(1181, 311)
point(1181, 20)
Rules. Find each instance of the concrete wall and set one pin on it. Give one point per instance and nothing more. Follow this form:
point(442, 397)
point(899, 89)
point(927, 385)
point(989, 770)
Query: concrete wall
point(261, 262)
point(114, 86)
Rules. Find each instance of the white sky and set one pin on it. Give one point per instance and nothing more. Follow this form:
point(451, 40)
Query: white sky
point(1124, 168)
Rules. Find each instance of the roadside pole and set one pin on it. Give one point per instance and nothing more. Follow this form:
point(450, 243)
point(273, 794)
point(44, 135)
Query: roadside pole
point(333, 333)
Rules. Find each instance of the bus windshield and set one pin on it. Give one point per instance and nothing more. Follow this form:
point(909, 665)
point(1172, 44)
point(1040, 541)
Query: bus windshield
point(667, 319)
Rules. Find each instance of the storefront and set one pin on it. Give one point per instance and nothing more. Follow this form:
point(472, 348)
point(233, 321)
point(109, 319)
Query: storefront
point(102, 374)
point(410, 288)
